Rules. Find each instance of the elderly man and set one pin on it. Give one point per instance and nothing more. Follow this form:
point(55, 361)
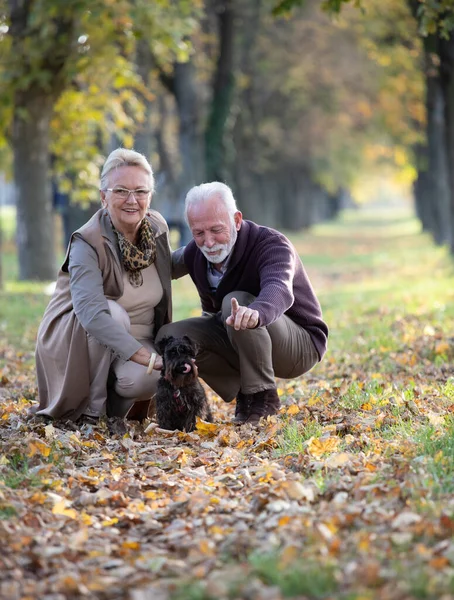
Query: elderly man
point(261, 318)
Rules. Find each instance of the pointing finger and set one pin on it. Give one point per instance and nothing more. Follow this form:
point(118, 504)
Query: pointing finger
point(235, 306)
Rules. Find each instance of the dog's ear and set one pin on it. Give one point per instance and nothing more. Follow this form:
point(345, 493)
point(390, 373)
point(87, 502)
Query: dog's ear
point(161, 345)
point(190, 343)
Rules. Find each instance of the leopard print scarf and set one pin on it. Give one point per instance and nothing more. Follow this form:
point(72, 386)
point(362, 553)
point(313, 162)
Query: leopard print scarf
point(136, 258)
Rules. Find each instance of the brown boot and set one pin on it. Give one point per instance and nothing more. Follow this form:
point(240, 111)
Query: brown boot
point(263, 404)
point(241, 409)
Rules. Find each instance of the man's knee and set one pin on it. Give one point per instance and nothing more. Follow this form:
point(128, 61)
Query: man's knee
point(176, 329)
point(243, 298)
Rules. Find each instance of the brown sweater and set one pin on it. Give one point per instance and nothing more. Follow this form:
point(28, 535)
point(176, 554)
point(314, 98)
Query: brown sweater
point(264, 263)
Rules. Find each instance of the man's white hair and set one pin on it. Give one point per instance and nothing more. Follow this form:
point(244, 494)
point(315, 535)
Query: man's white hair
point(204, 191)
point(122, 157)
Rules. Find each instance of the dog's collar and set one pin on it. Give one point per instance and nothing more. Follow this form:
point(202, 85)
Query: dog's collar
point(177, 397)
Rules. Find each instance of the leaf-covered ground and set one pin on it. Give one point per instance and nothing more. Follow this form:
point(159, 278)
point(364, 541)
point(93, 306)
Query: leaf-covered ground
point(346, 494)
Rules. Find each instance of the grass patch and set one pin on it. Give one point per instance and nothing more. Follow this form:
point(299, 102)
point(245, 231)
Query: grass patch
point(17, 473)
point(191, 591)
point(294, 435)
point(300, 578)
point(435, 450)
point(7, 512)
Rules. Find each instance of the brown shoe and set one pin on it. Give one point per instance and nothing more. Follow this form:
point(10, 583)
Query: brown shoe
point(241, 409)
point(263, 404)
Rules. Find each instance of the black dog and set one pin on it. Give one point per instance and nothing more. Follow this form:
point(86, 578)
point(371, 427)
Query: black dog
point(180, 397)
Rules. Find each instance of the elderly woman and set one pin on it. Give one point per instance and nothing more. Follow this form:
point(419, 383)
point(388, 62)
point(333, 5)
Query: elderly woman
point(113, 293)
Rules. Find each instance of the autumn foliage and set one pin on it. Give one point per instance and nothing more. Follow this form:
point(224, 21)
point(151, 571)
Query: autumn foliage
point(347, 493)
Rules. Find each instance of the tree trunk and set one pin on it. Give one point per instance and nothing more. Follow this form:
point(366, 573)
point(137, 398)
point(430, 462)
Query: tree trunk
point(1, 250)
point(35, 231)
point(189, 131)
point(144, 61)
point(439, 199)
point(447, 79)
point(222, 96)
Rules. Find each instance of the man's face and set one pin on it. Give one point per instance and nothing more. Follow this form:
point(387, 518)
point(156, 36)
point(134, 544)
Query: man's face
point(213, 229)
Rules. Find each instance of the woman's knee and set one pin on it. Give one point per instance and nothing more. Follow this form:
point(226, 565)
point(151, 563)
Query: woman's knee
point(119, 314)
point(139, 388)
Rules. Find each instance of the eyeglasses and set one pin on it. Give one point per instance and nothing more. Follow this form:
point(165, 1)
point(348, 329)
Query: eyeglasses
point(123, 193)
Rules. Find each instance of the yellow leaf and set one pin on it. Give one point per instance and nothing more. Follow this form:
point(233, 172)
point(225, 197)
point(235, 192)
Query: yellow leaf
point(441, 348)
point(435, 419)
point(206, 428)
point(439, 562)
point(364, 543)
point(3, 460)
point(131, 545)
point(38, 498)
point(116, 473)
point(318, 447)
point(337, 460)
point(283, 521)
point(293, 410)
point(280, 392)
point(152, 494)
point(216, 530)
point(86, 519)
point(109, 522)
point(438, 456)
point(207, 547)
point(366, 406)
point(38, 447)
point(60, 509)
point(313, 400)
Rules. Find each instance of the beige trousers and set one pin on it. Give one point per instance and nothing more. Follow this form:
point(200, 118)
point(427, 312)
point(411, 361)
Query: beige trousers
point(249, 360)
point(130, 382)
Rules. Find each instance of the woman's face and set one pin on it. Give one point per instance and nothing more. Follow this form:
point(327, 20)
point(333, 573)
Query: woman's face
point(127, 210)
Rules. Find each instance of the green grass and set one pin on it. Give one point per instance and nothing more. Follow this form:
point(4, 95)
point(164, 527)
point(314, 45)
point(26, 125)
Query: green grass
point(7, 512)
point(8, 222)
point(295, 434)
point(436, 451)
point(300, 578)
point(17, 473)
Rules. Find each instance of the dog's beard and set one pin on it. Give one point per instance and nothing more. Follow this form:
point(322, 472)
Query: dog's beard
point(182, 374)
point(223, 249)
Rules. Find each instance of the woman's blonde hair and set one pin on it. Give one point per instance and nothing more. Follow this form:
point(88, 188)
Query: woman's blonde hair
point(122, 157)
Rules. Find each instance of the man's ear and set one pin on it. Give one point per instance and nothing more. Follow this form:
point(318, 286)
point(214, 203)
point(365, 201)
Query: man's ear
point(238, 218)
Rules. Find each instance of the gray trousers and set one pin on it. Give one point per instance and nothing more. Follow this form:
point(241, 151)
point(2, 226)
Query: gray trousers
point(250, 359)
point(131, 382)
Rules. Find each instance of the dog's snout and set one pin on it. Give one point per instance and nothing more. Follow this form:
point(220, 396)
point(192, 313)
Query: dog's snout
point(184, 368)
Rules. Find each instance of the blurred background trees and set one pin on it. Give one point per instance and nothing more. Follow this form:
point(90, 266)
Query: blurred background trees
point(298, 112)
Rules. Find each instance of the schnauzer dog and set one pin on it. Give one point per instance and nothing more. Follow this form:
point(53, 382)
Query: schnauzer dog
point(180, 397)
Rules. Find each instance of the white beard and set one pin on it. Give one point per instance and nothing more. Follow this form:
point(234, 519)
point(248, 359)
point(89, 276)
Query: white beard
point(223, 249)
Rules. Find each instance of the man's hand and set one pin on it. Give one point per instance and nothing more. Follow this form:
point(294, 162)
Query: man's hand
point(242, 317)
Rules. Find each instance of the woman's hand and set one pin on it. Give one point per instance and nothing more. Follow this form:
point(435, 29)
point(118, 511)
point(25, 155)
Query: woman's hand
point(142, 357)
